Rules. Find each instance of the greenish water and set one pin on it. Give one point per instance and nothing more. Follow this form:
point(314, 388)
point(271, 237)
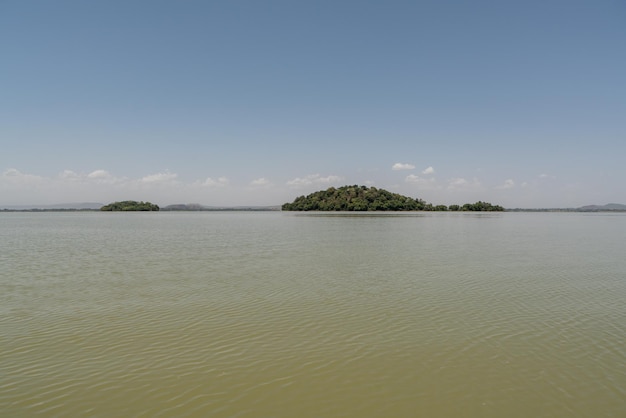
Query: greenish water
point(312, 315)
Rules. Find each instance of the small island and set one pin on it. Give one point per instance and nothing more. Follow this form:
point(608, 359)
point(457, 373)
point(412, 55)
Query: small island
point(130, 206)
point(363, 198)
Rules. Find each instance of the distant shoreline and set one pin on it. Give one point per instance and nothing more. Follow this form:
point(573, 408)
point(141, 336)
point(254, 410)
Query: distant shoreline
point(565, 210)
point(277, 209)
point(220, 209)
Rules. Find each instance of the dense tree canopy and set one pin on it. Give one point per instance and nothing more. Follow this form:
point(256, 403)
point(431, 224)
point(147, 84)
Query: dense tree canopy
point(481, 207)
point(362, 198)
point(354, 198)
point(130, 205)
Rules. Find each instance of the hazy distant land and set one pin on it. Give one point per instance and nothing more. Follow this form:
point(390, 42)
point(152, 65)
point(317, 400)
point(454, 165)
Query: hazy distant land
point(195, 207)
point(610, 207)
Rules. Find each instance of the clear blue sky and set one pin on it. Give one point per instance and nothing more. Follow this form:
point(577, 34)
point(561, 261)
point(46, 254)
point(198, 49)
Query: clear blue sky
point(520, 103)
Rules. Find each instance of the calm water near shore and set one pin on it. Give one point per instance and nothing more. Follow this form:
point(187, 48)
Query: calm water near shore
point(270, 314)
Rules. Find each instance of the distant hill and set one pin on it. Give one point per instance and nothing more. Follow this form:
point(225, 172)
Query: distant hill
point(181, 206)
point(195, 207)
point(607, 207)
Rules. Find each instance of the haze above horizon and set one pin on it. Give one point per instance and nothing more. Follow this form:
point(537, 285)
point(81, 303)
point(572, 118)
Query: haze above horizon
point(221, 103)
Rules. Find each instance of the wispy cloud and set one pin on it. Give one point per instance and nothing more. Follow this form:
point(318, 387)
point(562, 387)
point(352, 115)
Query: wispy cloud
point(98, 176)
point(159, 178)
point(429, 171)
point(70, 175)
point(65, 177)
point(68, 186)
point(422, 183)
point(313, 179)
point(459, 183)
point(260, 182)
point(16, 177)
point(219, 182)
point(508, 184)
point(546, 177)
point(402, 166)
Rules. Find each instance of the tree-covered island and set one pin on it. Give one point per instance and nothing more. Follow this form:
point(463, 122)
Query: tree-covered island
point(130, 206)
point(362, 198)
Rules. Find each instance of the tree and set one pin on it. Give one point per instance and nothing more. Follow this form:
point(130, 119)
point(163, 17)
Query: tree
point(363, 198)
point(354, 198)
point(130, 206)
point(481, 207)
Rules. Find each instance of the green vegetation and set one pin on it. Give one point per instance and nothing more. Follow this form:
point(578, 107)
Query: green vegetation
point(481, 207)
point(129, 206)
point(354, 198)
point(362, 198)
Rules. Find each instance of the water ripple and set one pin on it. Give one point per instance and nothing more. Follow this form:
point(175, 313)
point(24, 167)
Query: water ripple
point(255, 315)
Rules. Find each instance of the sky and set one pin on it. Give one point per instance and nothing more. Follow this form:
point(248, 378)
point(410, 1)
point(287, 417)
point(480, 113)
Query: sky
point(249, 102)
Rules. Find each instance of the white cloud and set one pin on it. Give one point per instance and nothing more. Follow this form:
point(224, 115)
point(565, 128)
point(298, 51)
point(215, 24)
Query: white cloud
point(313, 179)
point(429, 170)
point(11, 172)
point(16, 177)
point(459, 183)
point(219, 182)
point(70, 175)
point(101, 176)
point(17, 188)
point(422, 183)
point(402, 166)
point(165, 177)
point(98, 174)
point(260, 182)
point(329, 179)
point(20, 188)
point(508, 184)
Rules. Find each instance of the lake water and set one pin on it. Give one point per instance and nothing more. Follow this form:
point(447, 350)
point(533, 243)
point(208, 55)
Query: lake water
point(270, 314)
